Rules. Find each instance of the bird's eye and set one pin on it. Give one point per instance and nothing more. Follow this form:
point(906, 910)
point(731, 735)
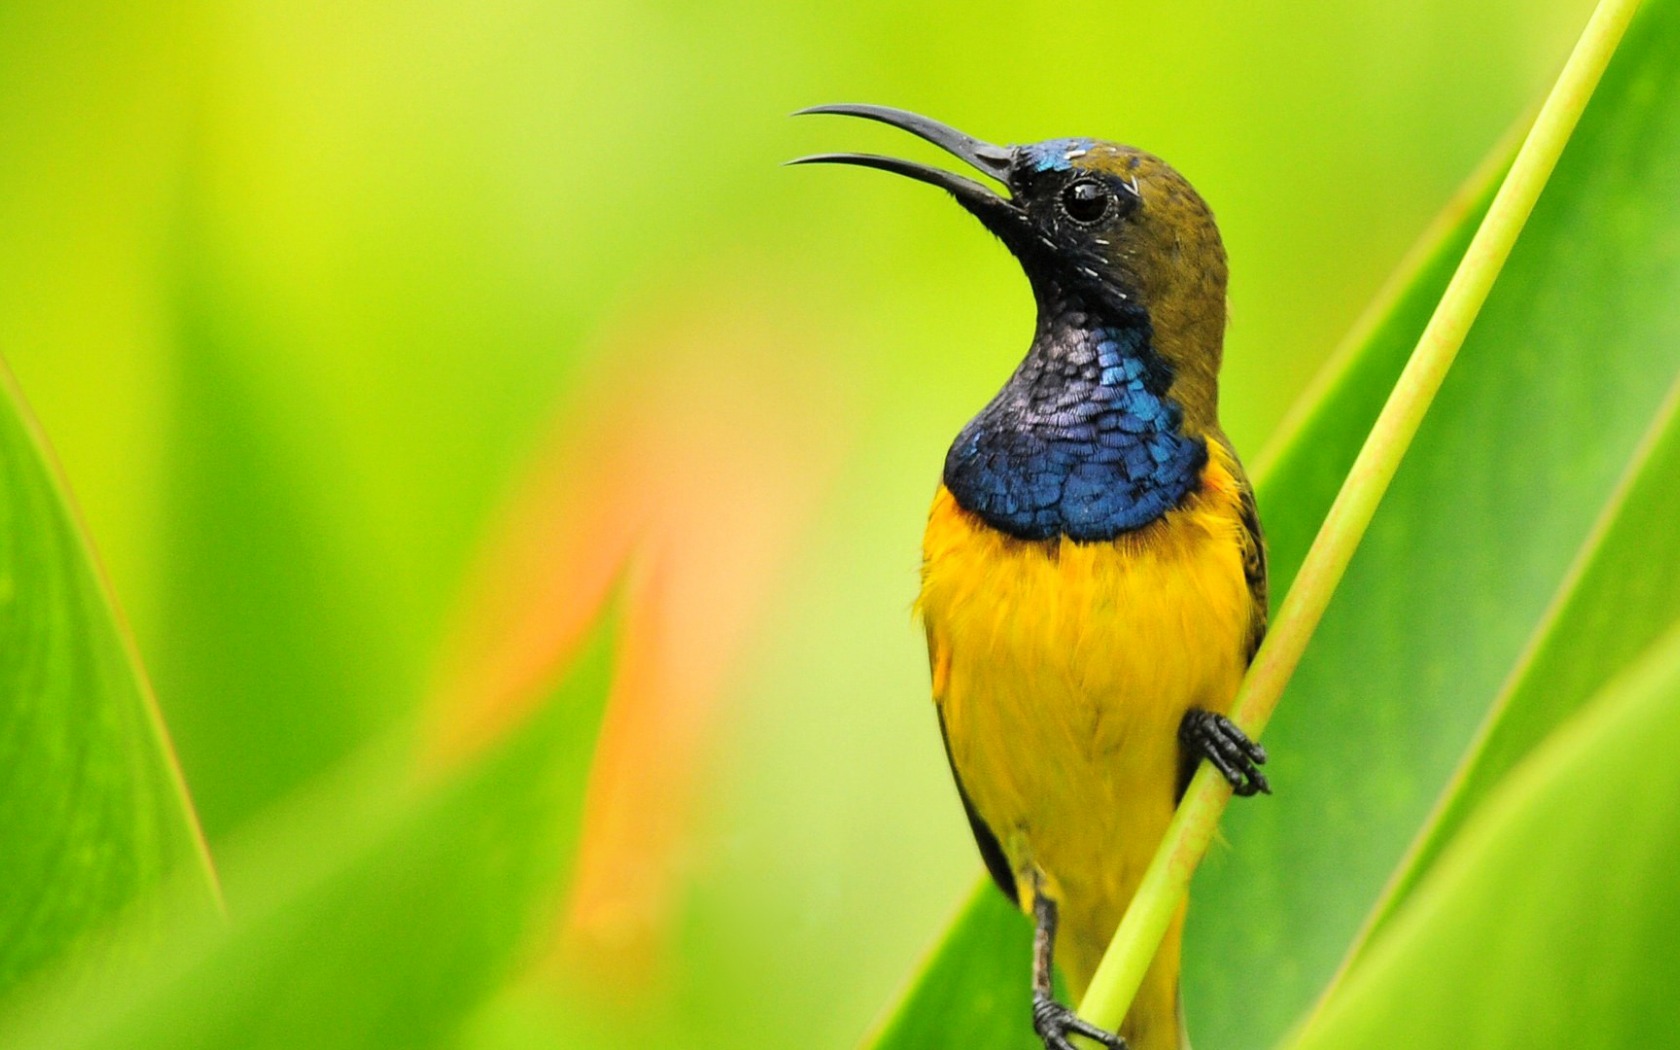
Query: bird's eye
point(1086, 201)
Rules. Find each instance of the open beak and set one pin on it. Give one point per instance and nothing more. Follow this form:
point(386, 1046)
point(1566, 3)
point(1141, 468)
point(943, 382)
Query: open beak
point(1000, 214)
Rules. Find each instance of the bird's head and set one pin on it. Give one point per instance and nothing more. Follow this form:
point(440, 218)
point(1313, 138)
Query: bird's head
point(1101, 229)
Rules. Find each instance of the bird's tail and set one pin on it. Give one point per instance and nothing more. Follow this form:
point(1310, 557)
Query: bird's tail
point(1156, 1019)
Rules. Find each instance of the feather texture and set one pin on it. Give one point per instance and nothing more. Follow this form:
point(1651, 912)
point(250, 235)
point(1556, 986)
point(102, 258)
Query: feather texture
point(1062, 670)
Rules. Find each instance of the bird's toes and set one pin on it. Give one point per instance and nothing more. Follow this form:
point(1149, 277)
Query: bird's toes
point(1228, 749)
point(1054, 1023)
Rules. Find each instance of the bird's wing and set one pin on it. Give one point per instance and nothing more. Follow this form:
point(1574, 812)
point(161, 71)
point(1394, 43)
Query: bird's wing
point(1254, 549)
point(991, 851)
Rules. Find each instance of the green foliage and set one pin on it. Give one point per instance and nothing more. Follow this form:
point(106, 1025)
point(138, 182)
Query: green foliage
point(375, 911)
point(1497, 494)
point(93, 820)
point(263, 602)
point(970, 993)
point(1619, 596)
point(298, 292)
point(1550, 920)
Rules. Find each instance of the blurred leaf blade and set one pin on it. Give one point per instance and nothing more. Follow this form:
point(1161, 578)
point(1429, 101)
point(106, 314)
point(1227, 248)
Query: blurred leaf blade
point(1299, 473)
point(1623, 592)
point(261, 599)
point(970, 991)
point(377, 911)
point(95, 816)
point(1549, 401)
point(1550, 919)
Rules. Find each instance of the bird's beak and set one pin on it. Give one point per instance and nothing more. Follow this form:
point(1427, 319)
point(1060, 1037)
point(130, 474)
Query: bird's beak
point(1000, 214)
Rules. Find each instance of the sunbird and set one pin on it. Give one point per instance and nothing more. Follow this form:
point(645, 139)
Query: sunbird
point(1093, 581)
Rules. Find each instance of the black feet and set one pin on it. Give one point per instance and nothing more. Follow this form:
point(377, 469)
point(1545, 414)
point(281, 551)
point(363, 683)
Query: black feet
point(1054, 1023)
point(1217, 739)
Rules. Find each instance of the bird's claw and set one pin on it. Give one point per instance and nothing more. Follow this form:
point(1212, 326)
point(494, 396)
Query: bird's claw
point(1228, 748)
point(1054, 1023)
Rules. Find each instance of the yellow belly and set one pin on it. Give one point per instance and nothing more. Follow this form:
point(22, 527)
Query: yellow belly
point(1062, 670)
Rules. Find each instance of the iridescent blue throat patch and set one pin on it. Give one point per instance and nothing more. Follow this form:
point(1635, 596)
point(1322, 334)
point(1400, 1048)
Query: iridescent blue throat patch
point(1082, 441)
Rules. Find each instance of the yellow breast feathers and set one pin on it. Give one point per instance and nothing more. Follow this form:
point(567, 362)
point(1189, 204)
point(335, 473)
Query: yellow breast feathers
point(1062, 671)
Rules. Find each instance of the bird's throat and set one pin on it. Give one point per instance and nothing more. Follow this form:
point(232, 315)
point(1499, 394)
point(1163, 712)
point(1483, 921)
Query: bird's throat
point(1084, 440)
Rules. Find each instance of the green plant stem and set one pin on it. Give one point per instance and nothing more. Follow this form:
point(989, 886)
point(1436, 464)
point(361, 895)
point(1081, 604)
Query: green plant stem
point(1167, 881)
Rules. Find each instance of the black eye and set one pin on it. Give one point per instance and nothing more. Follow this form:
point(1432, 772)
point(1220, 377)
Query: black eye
point(1086, 201)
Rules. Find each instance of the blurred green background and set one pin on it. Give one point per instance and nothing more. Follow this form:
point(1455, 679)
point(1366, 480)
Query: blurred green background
point(308, 295)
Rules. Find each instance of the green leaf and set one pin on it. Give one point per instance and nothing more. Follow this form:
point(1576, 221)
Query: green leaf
point(1550, 920)
point(378, 911)
point(1552, 393)
point(971, 992)
point(94, 816)
point(1550, 397)
point(271, 655)
point(1622, 593)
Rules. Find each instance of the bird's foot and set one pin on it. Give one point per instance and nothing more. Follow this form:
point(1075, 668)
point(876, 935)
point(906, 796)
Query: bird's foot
point(1054, 1023)
point(1218, 739)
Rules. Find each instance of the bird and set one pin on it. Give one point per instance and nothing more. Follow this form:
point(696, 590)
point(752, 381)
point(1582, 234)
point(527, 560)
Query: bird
point(1093, 579)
